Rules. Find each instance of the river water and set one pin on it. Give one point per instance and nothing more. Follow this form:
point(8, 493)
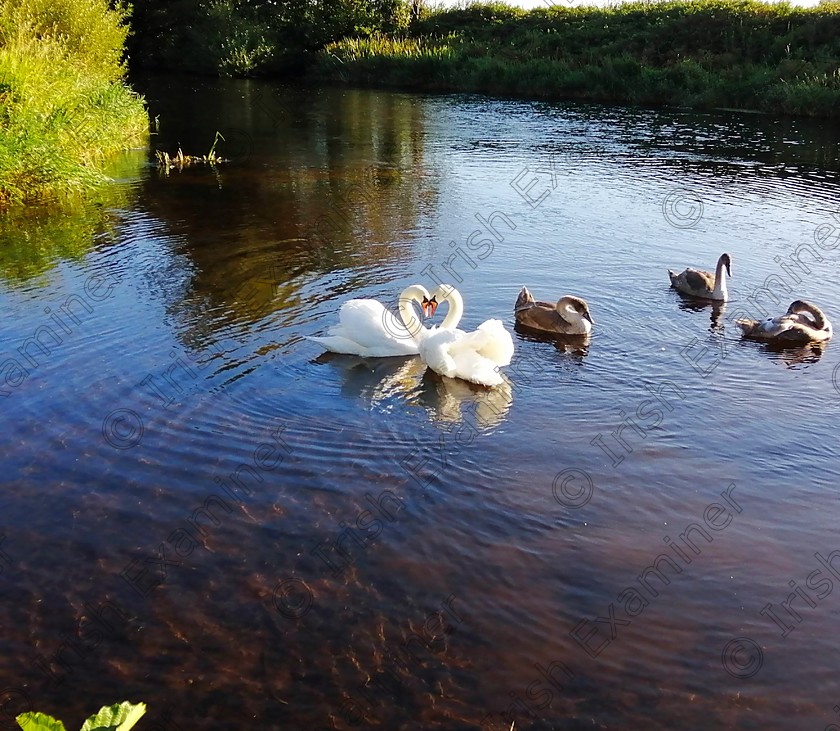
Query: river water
point(204, 512)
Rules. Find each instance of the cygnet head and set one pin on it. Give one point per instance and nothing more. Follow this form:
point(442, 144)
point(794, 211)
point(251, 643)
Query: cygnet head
point(726, 260)
point(798, 306)
point(813, 314)
point(578, 305)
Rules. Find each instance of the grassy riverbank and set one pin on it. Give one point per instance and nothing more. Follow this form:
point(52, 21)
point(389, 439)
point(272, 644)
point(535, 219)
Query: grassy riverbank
point(702, 54)
point(65, 107)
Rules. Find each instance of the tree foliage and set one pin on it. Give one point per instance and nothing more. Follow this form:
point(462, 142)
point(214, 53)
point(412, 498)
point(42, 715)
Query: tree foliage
point(250, 37)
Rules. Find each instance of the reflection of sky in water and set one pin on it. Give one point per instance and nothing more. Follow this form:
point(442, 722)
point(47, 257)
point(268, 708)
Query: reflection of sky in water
point(218, 278)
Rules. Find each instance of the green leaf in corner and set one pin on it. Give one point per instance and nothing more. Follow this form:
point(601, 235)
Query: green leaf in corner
point(119, 717)
point(39, 722)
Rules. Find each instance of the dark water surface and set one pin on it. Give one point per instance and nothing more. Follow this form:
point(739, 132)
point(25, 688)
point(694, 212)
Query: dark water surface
point(203, 512)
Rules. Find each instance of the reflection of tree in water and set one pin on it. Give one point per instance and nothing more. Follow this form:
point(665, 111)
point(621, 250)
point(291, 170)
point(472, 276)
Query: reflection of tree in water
point(34, 238)
point(334, 181)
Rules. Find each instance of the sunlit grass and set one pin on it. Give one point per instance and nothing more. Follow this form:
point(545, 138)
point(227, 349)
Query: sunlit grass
point(64, 108)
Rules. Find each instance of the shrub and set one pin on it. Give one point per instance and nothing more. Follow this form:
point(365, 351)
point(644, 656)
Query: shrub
point(63, 104)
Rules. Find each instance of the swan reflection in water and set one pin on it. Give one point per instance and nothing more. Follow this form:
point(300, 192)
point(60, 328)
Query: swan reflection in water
point(791, 356)
point(573, 345)
point(391, 383)
point(717, 309)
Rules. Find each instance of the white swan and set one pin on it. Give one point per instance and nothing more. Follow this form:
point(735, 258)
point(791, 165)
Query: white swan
point(474, 356)
point(368, 329)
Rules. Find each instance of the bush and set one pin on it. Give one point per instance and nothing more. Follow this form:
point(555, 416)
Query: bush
point(253, 37)
point(63, 104)
point(700, 53)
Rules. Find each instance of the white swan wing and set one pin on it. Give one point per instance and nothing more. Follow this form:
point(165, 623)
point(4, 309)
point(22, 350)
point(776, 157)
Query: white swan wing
point(367, 328)
point(492, 341)
point(474, 356)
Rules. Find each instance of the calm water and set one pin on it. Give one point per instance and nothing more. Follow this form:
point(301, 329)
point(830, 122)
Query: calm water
point(204, 512)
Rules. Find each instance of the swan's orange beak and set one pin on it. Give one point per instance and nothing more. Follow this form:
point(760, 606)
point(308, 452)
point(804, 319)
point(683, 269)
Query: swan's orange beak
point(429, 306)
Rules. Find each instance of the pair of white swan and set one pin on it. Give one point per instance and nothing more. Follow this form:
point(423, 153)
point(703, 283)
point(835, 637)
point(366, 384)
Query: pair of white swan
point(366, 328)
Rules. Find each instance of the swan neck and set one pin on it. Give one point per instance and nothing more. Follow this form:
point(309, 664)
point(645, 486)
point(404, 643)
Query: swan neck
point(820, 320)
point(456, 308)
point(409, 318)
point(576, 321)
point(720, 280)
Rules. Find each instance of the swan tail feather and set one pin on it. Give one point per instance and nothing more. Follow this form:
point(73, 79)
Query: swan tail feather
point(336, 344)
point(525, 299)
point(747, 326)
point(366, 328)
point(766, 330)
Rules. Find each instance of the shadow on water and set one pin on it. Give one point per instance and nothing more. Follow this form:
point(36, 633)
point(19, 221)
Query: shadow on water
point(716, 310)
point(790, 356)
point(574, 345)
point(328, 181)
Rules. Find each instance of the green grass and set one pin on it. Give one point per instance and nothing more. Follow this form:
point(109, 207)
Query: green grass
point(64, 107)
point(702, 53)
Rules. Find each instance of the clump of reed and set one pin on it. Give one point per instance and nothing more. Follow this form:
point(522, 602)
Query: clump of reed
point(400, 60)
point(179, 160)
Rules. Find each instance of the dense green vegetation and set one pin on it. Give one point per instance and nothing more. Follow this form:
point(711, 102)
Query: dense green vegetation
point(704, 53)
point(63, 105)
point(251, 37)
point(700, 53)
